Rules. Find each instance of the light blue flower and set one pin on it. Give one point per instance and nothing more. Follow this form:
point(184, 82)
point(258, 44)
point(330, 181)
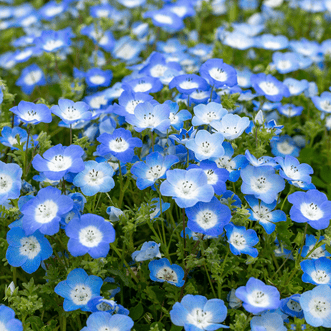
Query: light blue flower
point(296, 87)
point(323, 103)
point(205, 114)
point(10, 181)
point(31, 76)
point(31, 113)
point(316, 271)
point(283, 146)
point(8, 320)
point(291, 306)
point(149, 250)
point(310, 243)
point(266, 321)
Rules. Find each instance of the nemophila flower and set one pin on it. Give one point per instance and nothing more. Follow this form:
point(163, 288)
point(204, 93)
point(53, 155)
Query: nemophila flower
point(187, 187)
point(165, 19)
point(205, 114)
point(309, 250)
point(149, 116)
point(202, 97)
point(31, 76)
point(323, 102)
point(9, 137)
point(128, 102)
point(52, 9)
point(31, 113)
point(231, 126)
point(260, 162)
point(53, 41)
point(268, 321)
point(238, 40)
point(188, 83)
point(312, 207)
point(216, 177)
point(10, 181)
point(232, 165)
point(162, 271)
point(258, 297)
point(293, 171)
point(155, 207)
point(208, 218)
point(264, 214)
point(316, 305)
point(296, 87)
point(102, 38)
point(96, 77)
point(291, 306)
point(78, 289)
point(270, 87)
point(206, 146)
point(96, 177)
point(90, 234)
point(195, 312)
point(218, 73)
point(120, 144)
point(149, 250)
point(100, 304)
point(43, 212)
point(316, 271)
point(285, 62)
point(105, 321)
point(290, 110)
point(114, 213)
point(70, 112)
point(262, 182)
point(59, 160)
point(8, 320)
point(234, 302)
point(241, 240)
point(177, 117)
point(27, 251)
point(283, 146)
point(146, 84)
point(127, 49)
point(269, 41)
point(153, 169)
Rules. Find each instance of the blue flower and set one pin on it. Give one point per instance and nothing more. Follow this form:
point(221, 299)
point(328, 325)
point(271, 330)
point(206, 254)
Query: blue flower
point(96, 77)
point(267, 320)
point(90, 234)
point(188, 83)
point(59, 160)
point(146, 84)
point(104, 39)
point(8, 320)
point(296, 87)
point(43, 212)
point(316, 271)
point(262, 182)
point(96, 177)
point(187, 187)
point(52, 9)
point(78, 289)
point(323, 103)
point(153, 169)
point(269, 41)
point(106, 321)
point(260, 162)
point(27, 251)
point(284, 145)
point(241, 240)
point(208, 218)
point(310, 243)
point(149, 250)
point(258, 297)
point(285, 62)
point(195, 313)
point(218, 73)
point(127, 49)
point(120, 144)
point(165, 19)
point(31, 113)
point(149, 116)
point(70, 112)
point(291, 306)
point(99, 304)
point(290, 110)
point(155, 208)
point(312, 207)
point(205, 114)
point(31, 76)
point(9, 137)
point(10, 181)
point(53, 41)
point(206, 146)
point(316, 305)
point(231, 126)
point(177, 117)
point(114, 213)
point(270, 87)
point(162, 271)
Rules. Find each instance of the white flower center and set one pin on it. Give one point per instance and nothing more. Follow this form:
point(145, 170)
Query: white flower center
point(6, 183)
point(237, 240)
point(158, 70)
point(153, 173)
point(125, 52)
point(173, 118)
point(293, 305)
point(199, 95)
point(326, 105)
point(71, 113)
point(230, 130)
point(269, 88)
point(262, 214)
point(285, 148)
point(320, 277)
point(218, 74)
point(206, 219)
point(29, 20)
point(292, 172)
point(12, 140)
point(212, 178)
point(131, 105)
point(260, 184)
point(163, 19)
point(118, 145)
point(97, 79)
point(46, 211)
point(186, 189)
point(52, 44)
point(166, 273)
point(30, 247)
point(24, 55)
point(2, 327)
point(206, 148)
point(142, 86)
point(54, 11)
point(210, 116)
point(59, 163)
point(98, 101)
point(226, 162)
point(284, 64)
point(81, 295)
point(90, 236)
point(242, 81)
point(201, 319)
point(94, 177)
point(317, 253)
point(271, 45)
point(311, 211)
point(149, 120)
point(319, 307)
point(258, 298)
point(32, 77)
point(188, 84)
point(169, 49)
point(103, 306)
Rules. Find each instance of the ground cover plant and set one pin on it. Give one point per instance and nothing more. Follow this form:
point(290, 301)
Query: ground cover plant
point(165, 165)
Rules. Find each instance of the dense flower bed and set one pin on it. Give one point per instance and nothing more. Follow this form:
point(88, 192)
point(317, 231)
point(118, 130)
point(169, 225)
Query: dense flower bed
point(165, 165)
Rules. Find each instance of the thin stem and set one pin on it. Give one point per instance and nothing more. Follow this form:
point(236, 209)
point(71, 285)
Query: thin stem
point(26, 151)
point(70, 134)
point(121, 185)
point(209, 280)
point(183, 210)
point(211, 93)
point(152, 140)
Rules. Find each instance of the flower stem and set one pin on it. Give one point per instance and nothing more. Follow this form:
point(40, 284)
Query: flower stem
point(26, 151)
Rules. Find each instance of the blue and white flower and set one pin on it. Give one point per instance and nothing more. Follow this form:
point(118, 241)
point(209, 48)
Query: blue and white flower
point(145, 84)
point(31, 113)
point(283, 146)
point(31, 76)
point(53, 41)
point(267, 321)
point(8, 320)
point(309, 250)
point(316, 271)
point(188, 83)
point(165, 19)
point(205, 114)
point(291, 306)
point(323, 103)
point(105, 321)
point(10, 181)
point(296, 87)
point(148, 251)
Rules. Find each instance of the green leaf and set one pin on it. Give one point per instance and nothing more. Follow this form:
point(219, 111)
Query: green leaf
point(136, 312)
point(36, 323)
